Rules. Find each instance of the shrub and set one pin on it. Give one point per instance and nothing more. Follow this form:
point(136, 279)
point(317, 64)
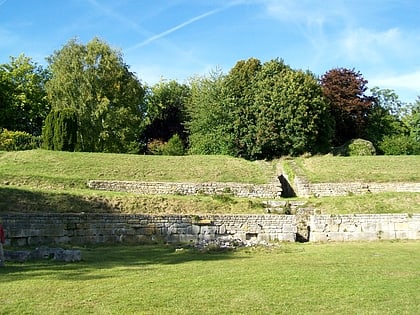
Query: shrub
point(17, 140)
point(60, 130)
point(156, 147)
point(355, 147)
point(361, 147)
point(399, 145)
point(174, 146)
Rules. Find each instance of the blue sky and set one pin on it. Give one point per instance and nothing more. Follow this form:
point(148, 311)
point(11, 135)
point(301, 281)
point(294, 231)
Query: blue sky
point(177, 39)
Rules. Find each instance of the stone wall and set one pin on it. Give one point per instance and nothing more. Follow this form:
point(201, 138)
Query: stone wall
point(306, 189)
point(302, 187)
point(364, 227)
point(45, 229)
point(167, 188)
point(57, 229)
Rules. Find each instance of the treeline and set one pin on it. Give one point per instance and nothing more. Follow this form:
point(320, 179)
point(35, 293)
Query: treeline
point(87, 99)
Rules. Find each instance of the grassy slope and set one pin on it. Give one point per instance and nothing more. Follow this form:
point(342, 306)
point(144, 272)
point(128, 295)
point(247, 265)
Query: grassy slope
point(73, 170)
point(48, 181)
point(351, 278)
point(323, 169)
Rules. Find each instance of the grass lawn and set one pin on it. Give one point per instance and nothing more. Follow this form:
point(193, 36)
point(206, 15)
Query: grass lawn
point(325, 169)
point(49, 181)
point(368, 203)
point(52, 169)
point(349, 278)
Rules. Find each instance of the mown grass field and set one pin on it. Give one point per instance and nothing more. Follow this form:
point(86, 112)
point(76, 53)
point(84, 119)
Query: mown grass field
point(48, 181)
point(52, 169)
point(332, 169)
point(351, 278)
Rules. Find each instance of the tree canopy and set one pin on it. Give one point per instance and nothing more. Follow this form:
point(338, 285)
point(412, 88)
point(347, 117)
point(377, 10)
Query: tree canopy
point(23, 103)
point(93, 80)
point(259, 111)
point(345, 90)
point(87, 99)
point(165, 104)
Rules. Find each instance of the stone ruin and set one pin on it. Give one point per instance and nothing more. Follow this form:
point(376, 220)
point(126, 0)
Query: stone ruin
point(41, 253)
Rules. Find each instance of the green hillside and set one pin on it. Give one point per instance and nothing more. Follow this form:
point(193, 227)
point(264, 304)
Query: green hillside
point(49, 181)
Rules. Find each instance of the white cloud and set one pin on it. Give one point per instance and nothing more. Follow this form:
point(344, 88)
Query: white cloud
point(305, 12)
point(374, 46)
point(408, 81)
point(406, 85)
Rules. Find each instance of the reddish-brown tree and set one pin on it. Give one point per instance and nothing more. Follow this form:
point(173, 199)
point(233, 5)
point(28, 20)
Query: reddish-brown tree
point(344, 90)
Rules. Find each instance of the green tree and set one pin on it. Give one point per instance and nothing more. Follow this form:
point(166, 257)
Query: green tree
point(210, 116)
point(413, 120)
point(240, 97)
point(166, 111)
point(174, 146)
point(385, 117)
point(259, 112)
point(60, 130)
point(292, 115)
point(23, 103)
point(345, 91)
point(93, 80)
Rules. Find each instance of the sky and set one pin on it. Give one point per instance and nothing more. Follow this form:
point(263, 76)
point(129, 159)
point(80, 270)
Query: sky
point(179, 39)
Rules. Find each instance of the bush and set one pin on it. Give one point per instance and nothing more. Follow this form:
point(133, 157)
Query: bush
point(399, 145)
point(174, 146)
point(17, 140)
point(156, 147)
point(60, 130)
point(355, 147)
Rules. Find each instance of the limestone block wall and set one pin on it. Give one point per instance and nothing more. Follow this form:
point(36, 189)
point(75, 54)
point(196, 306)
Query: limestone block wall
point(167, 188)
point(45, 229)
point(304, 188)
point(364, 227)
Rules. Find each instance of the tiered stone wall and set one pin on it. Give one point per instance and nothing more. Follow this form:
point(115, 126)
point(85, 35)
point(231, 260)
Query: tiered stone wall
point(166, 188)
point(343, 189)
point(302, 187)
point(41, 229)
point(364, 227)
point(47, 229)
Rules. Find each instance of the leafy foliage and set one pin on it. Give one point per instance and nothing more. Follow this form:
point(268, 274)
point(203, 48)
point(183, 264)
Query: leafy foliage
point(293, 117)
point(174, 146)
point(259, 111)
point(17, 140)
point(23, 106)
point(60, 130)
point(345, 91)
point(165, 106)
point(400, 144)
point(93, 80)
point(240, 98)
point(210, 117)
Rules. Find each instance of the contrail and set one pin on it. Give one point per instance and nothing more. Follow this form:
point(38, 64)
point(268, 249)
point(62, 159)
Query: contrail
point(177, 27)
point(134, 26)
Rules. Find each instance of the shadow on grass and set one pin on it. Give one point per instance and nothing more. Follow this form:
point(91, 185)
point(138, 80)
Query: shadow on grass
point(21, 200)
point(108, 257)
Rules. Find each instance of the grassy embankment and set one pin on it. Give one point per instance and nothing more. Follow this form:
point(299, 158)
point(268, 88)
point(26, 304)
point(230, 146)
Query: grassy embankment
point(351, 278)
point(366, 169)
point(50, 181)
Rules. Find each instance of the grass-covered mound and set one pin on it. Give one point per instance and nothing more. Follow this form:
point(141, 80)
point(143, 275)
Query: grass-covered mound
point(49, 181)
point(368, 169)
point(53, 169)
